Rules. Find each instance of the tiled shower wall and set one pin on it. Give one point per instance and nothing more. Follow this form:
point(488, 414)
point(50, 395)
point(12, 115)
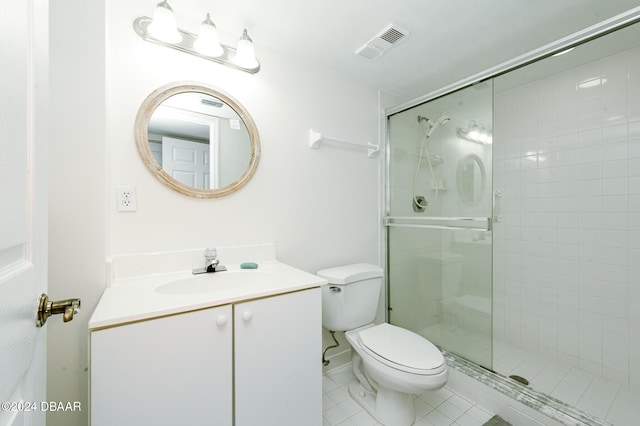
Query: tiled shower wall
point(567, 253)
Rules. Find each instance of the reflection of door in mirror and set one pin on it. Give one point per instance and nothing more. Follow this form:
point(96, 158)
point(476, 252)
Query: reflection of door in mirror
point(188, 162)
point(190, 132)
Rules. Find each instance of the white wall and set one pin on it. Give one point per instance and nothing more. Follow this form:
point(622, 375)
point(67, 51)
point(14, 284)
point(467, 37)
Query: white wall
point(319, 206)
point(77, 198)
point(567, 255)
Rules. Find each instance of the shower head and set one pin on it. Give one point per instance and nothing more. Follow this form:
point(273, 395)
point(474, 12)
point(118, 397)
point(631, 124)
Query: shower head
point(423, 118)
point(444, 119)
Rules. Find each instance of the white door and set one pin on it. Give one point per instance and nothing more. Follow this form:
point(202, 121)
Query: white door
point(23, 208)
point(187, 162)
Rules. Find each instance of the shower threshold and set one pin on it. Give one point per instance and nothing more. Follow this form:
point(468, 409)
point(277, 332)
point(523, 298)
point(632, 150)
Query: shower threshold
point(545, 404)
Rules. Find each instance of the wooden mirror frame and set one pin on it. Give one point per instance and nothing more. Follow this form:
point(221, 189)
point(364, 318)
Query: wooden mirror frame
point(471, 199)
point(142, 138)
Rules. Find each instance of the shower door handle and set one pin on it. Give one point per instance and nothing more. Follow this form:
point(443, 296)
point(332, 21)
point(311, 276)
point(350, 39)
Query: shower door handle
point(497, 206)
point(440, 222)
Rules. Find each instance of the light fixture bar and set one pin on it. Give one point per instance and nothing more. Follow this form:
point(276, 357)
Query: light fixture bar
point(141, 25)
point(476, 133)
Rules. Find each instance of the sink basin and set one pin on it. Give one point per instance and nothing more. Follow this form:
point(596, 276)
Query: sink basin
point(218, 281)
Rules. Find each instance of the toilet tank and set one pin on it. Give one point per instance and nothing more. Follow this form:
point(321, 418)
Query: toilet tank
point(350, 300)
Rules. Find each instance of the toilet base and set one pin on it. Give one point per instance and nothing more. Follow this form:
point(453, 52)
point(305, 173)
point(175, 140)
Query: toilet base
point(389, 407)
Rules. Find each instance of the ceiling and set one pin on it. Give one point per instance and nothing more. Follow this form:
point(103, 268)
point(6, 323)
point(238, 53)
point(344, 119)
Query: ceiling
point(449, 39)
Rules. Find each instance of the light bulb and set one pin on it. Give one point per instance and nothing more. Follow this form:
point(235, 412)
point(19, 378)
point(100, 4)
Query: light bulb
point(163, 27)
point(208, 42)
point(245, 54)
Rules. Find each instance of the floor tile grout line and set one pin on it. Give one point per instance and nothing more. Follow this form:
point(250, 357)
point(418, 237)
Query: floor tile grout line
point(443, 396)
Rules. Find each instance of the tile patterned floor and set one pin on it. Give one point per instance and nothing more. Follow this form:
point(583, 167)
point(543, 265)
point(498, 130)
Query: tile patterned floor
point(605, 399)
point(591, 393)
point(437, 408)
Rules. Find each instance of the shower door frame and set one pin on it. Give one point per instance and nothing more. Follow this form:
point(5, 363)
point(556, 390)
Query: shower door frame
point(615, 23)
point(443, 224)
point(554, 409)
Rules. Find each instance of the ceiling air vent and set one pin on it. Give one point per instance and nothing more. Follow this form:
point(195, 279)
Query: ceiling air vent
point(390, 36)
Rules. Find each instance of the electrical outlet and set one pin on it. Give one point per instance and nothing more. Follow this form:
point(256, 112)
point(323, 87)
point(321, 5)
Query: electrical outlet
point(126, 198)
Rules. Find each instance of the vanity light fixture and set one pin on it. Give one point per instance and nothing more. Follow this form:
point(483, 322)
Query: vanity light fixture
point(245, 55)
point(208, 42)
point(162, 30)
point(163, 25)
point(476, 133)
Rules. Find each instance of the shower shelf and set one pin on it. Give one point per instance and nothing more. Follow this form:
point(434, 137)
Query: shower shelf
point(316, 138)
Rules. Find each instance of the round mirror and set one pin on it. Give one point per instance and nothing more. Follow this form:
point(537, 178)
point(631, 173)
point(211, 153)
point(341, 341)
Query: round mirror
point(197, 140)
point(471, 179)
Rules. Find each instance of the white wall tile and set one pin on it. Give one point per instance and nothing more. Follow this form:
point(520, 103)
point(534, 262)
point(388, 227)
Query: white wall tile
point(577, 219)
point(614, 169)
point(612, 134)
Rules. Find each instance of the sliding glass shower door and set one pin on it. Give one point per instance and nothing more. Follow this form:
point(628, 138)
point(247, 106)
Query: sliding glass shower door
point(439, 219)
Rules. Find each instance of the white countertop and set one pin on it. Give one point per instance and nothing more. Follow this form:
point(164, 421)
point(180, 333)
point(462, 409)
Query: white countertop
point(137, 298)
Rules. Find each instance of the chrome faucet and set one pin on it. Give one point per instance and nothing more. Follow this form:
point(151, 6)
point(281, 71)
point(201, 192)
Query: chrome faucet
point(211, 263)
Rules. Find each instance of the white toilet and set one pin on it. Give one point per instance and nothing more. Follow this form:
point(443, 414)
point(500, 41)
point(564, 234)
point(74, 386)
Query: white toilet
point(397, 363)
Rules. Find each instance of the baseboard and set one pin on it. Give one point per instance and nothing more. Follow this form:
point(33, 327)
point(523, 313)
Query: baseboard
point(337, 360)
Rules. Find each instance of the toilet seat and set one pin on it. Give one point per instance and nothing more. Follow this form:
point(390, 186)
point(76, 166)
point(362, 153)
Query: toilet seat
point(401, 349)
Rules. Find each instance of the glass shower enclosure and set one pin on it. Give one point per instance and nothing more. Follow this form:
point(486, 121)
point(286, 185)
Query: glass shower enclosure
point(522, 255)
point(439, 218)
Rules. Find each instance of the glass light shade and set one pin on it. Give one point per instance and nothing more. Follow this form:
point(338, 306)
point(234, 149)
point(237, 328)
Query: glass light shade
point(473, 132)
point(164, 26)
point(245, 54)
point(208, 42)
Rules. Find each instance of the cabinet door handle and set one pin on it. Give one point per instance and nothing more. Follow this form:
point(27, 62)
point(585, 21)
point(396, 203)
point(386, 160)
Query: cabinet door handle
point(222, 320)
point(247, 315)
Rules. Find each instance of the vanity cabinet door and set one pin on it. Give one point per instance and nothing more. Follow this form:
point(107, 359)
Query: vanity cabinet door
point(174, 370)
point(278, 368)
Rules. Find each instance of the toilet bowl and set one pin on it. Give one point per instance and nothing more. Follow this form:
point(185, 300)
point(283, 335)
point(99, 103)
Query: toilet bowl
point(391, 364)
point(397, 364)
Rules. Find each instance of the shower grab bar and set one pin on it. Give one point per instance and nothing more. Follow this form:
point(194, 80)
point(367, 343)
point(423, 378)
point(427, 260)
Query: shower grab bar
point(461, 223)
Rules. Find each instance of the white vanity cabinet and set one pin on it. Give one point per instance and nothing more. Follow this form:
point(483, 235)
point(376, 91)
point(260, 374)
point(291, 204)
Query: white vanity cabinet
point(258, 361)
point(278, 360)
point(173, 370)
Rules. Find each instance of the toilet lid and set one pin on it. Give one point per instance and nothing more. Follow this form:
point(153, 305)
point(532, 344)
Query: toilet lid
point(401, 347)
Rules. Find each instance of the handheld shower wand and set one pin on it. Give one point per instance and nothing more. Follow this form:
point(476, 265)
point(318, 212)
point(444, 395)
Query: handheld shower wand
point(421, 204)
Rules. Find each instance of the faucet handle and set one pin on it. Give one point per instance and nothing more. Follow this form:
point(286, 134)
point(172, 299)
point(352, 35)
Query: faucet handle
point(210, 253)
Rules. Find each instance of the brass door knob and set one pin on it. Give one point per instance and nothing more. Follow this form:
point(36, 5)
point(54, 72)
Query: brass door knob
point(68, 308)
